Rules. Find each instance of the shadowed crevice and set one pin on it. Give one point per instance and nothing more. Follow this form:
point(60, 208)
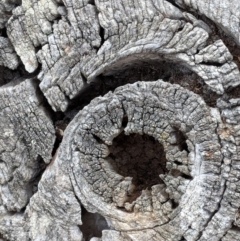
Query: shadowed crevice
point(92, 225)
point(3, 32)
point(181, 140)
point(143, 71)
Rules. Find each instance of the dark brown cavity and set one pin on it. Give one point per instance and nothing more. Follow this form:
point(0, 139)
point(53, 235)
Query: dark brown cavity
point(140, 157)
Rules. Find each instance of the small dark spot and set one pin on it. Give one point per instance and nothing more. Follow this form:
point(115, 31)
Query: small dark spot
point(83, 78)
point(124, 121)
point(56, 145)
point(3, 32)
point(101, 33)
point(178, 163)
point(236, 228)
point(98, 139)
point(174, 204)
point(182, 239)
point(91, 2)
point(186, 176)
point(58, 18)
point(212, 64)
point(181, 140)
point(180, 29)
point(233, 92)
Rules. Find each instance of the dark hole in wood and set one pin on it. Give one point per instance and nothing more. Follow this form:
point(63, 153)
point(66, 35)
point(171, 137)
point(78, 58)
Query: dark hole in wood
point(174, 204)
point(124, 121)
point(178, 163)
point(181, 140)
point(140, 157)
point(92, 225)
point(4, 32)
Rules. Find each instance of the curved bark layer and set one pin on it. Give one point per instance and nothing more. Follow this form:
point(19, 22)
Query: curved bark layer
point(148, 161)
point(226, 14)
point(90, 40)
point(177, 205)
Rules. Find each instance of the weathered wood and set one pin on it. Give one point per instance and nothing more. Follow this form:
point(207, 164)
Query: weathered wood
point(83, 43)
point(27, 138)
point(153, 160)
point(226, 14)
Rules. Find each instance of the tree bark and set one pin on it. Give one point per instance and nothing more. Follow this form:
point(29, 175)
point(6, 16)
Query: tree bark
point(120, 120)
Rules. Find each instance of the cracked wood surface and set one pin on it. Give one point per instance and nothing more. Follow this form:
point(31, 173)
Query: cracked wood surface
point(89, 40)
point(157, 159)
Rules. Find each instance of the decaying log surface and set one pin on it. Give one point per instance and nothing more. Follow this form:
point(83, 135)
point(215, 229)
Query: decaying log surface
point(120, 120)
point(226, 14)
point(27, 139)
point(82, 45)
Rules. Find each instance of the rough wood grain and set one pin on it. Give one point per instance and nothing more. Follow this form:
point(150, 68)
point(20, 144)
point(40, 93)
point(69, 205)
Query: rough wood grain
point(84, 44)
point(26, 143)
point(157, 159)
point(226, 14)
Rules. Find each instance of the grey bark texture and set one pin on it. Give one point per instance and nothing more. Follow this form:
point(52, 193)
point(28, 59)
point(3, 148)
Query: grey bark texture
point(120, 120)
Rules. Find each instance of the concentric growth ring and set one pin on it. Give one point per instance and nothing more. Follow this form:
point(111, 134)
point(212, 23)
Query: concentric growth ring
point(154, 115)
